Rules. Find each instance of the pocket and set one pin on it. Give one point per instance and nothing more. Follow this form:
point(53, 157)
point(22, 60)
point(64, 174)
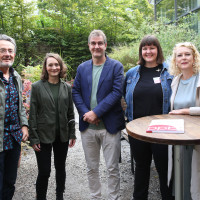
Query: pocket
point(129, 83)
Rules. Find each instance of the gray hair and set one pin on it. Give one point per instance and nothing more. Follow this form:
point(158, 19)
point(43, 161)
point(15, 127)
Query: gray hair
point(9, 39)
point(97, 33)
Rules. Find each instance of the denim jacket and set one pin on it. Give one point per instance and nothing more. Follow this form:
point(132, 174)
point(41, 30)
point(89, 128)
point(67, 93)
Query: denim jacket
point(131, 79)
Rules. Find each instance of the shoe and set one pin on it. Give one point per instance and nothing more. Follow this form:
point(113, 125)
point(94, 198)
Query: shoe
point(59, 196)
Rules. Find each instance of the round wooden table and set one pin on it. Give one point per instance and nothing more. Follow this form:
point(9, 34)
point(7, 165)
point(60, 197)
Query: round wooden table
point(137, 129)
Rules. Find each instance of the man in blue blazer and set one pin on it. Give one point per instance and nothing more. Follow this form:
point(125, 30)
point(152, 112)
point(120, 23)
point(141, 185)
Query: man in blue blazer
point(97, 92)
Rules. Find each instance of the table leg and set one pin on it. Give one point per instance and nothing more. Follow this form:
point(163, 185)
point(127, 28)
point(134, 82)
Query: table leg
point(178, 173)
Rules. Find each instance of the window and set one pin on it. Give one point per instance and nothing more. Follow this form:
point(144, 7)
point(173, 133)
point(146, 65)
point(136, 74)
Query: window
point(185, 6)
point(193, 19)
point(194, 4)
point(165, 10)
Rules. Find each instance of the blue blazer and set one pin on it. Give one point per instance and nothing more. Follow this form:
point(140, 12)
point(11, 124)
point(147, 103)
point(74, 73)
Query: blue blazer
point(109, 94)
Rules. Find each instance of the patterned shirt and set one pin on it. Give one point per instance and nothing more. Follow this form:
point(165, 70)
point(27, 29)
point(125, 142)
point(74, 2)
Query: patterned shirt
point(12, 129)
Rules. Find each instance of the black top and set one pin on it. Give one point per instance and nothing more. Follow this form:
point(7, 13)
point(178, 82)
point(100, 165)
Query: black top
point(148, 96)
point(55, 92)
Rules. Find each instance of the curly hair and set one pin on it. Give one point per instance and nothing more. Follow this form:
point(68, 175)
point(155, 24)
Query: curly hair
point(63, 68)
point(174, 70)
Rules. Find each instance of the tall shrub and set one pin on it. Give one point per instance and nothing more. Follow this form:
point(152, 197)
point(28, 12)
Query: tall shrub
point(168, 35)
point(32, 73)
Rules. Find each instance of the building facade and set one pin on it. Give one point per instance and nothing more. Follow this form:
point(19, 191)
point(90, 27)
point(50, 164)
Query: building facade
point(175, 10)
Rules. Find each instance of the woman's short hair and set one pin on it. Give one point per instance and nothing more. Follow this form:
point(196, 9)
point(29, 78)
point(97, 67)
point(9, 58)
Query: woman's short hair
point(150, 40)
point(174, 70)
point(63, 68)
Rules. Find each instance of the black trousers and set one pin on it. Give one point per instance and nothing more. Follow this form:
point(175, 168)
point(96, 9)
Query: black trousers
point(8, 171)
point(142, 154)
point(44, 167)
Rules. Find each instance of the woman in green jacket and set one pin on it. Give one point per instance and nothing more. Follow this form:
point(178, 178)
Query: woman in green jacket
point(51, 124)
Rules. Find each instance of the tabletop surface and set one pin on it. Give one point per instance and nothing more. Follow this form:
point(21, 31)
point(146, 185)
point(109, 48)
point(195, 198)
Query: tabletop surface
point(137, 129)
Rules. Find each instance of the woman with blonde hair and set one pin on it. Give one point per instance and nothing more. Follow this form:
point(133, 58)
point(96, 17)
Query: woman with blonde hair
point(185, 100)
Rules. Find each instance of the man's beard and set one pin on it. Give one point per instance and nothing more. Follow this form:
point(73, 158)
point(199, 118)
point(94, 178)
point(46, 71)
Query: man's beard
point(2, 64)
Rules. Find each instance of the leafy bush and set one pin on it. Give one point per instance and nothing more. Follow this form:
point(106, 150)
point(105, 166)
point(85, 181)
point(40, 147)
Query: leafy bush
point(168, 35)
point(32, 73)
point(26, 95)
point(127, 55)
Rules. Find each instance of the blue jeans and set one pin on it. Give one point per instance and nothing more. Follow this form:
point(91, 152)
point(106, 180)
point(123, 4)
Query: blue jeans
point(8, 171)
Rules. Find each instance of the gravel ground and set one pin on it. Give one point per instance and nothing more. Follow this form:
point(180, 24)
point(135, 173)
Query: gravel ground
point(76, 179)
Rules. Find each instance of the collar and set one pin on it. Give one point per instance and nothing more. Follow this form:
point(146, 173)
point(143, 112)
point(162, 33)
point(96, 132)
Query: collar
point(177, 78)
point(1, 74)
point(164, 64)
point(107, 58)
point(11, 71)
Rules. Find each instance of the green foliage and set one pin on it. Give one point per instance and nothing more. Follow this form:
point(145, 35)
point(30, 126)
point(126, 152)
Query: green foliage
point(63, 26)
point(70, 73)
point(17, 20)
point(168, 35)
point(127, 55)
point(32, 73)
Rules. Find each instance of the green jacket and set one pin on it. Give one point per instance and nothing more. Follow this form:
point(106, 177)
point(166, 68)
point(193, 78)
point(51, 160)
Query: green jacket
point(21, 110)
point(42, 118)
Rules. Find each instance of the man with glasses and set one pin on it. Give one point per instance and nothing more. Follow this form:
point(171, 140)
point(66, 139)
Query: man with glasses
point(13, 121)
point(97, 92)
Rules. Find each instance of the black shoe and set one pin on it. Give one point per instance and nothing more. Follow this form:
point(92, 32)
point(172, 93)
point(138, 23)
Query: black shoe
point(59, 196)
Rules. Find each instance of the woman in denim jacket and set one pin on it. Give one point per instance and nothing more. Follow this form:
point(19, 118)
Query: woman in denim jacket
point(147, 92)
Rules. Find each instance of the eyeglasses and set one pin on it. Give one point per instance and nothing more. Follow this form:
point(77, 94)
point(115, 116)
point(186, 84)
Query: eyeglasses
point(10, 51)
point(99, 43)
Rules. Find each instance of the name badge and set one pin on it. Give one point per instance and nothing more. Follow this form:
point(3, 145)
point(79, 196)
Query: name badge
point(156, 80)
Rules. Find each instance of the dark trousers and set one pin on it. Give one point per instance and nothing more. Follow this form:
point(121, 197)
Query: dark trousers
point(44, 167)
point(8, 171)
point(142, 153)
